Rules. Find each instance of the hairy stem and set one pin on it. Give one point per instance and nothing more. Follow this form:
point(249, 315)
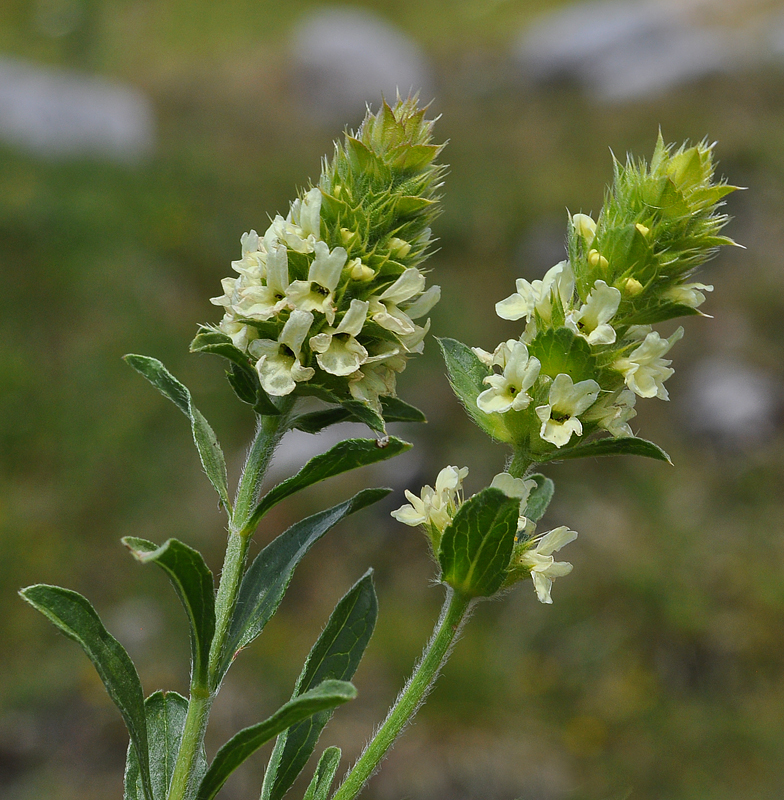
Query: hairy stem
point(453, 615)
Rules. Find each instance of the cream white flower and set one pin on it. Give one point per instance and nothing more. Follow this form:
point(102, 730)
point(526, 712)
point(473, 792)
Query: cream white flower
point(278, 365)
point(385, 309)
point(645, 369)
point(517, 487)
point(508, 390)
point(585, 226)
point(613, 412)
point(263, 301)
point(689, 294)
point(544, 568)
point(567, 400)
point(534, 297)
point(591, 320)
point(318, 291)
point(306, 213)
point(338, 351)
point(437, 506)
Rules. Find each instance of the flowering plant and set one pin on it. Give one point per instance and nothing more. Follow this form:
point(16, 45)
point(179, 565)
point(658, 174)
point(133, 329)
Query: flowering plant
point(329, 303)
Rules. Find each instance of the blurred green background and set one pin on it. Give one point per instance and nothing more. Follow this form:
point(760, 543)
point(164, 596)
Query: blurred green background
point(658, 672)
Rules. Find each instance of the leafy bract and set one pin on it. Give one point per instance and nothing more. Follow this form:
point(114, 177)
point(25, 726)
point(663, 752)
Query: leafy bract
point(324, 775)
point(241, 746)
point(192, 580)
point(466, 377)
point(210, 451)
point(268, 577)
point(477, 545)
point(393, 409)
point(336, 655)
point(166, 712)
point(344, 456)
point(622, 446)
point(77, 619)
point(539, 498)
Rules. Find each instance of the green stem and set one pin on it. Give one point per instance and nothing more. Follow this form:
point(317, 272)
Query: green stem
point(408, 702)
point(520, 464)
point(268, 435)
point(183, 777)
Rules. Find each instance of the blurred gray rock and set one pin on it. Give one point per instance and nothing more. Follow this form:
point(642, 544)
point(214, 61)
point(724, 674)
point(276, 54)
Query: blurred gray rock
point(624, 49)
point(733, 403)
point(346, 57)
point(61, 114)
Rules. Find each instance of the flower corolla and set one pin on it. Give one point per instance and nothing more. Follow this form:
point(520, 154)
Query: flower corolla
point(566, 401)
point(644, 370)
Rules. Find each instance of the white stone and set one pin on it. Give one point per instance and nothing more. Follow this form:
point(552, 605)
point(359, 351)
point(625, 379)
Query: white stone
point(63, 114)
point(346, 57)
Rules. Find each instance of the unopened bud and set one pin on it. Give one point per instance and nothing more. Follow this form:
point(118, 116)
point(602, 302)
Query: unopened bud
point(642, 229)
point(348, 237)
point(632, 286)
point(596, 259)
point(399, 247)
point(360, 271)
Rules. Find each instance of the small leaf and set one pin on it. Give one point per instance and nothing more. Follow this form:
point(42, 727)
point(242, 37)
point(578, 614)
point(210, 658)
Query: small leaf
point(192, 580)
point(477, 545)
point(623, 446)
point(662, 312)
point(466, 376)
point(393, 409)
point(206, 442)
point(316, 421)
point(364, 414)
point(243, 383)
point(76, 618)
point(166, 712)
point(336, 655)
point(244, 744)
point(540, 497)
point(343, 457)
point(324, 775)
point(268, 577)
point(560, 350)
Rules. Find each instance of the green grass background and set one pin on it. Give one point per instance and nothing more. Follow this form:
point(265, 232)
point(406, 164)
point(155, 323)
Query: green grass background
point(658, 672)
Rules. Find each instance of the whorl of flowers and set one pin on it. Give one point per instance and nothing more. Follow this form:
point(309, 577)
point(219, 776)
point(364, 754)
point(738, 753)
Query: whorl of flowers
point(588, 349)
point(330, 300)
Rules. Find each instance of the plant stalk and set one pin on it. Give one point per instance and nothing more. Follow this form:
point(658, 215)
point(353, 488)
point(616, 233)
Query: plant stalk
point(453, 615)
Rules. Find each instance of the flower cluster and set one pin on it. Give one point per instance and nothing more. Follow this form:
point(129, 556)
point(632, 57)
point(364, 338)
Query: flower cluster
point(532, 555)
point(330, 299)
point(588, 349)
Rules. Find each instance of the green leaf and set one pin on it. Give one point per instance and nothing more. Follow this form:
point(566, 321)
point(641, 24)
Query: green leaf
point(166, 712)
point(326, 696)
point(393, 409)
point(324, 775)
point(540, 497)
point(343, 457)
point(364, 414)
point(76, 618)
point(662, 312)
point(336, 655)
point(243, 383)
point(192, 580)
point(268, 577)
point(560, 350)
point(466, 376)
point(624, 446)
point(206, 442)
point(477, 545)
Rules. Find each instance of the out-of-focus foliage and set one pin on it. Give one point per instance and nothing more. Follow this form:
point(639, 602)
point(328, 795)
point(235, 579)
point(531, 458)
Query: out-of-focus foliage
point(658, 672)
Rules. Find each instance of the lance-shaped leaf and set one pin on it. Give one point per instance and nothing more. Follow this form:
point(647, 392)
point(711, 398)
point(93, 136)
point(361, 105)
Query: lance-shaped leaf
point(477, 545)
point(324, 775)
point(365, 414)
point(466, 377)
point(540, 497)
point(662, 312)
point(343, 457)
point(623, 446)
point(268, 577)
point(210, 452)
point(336, 655)
point(326, 696)
point(393, 409)
point(242, 376)
point(166, 712)
point(192, 580)
point(77, 619)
